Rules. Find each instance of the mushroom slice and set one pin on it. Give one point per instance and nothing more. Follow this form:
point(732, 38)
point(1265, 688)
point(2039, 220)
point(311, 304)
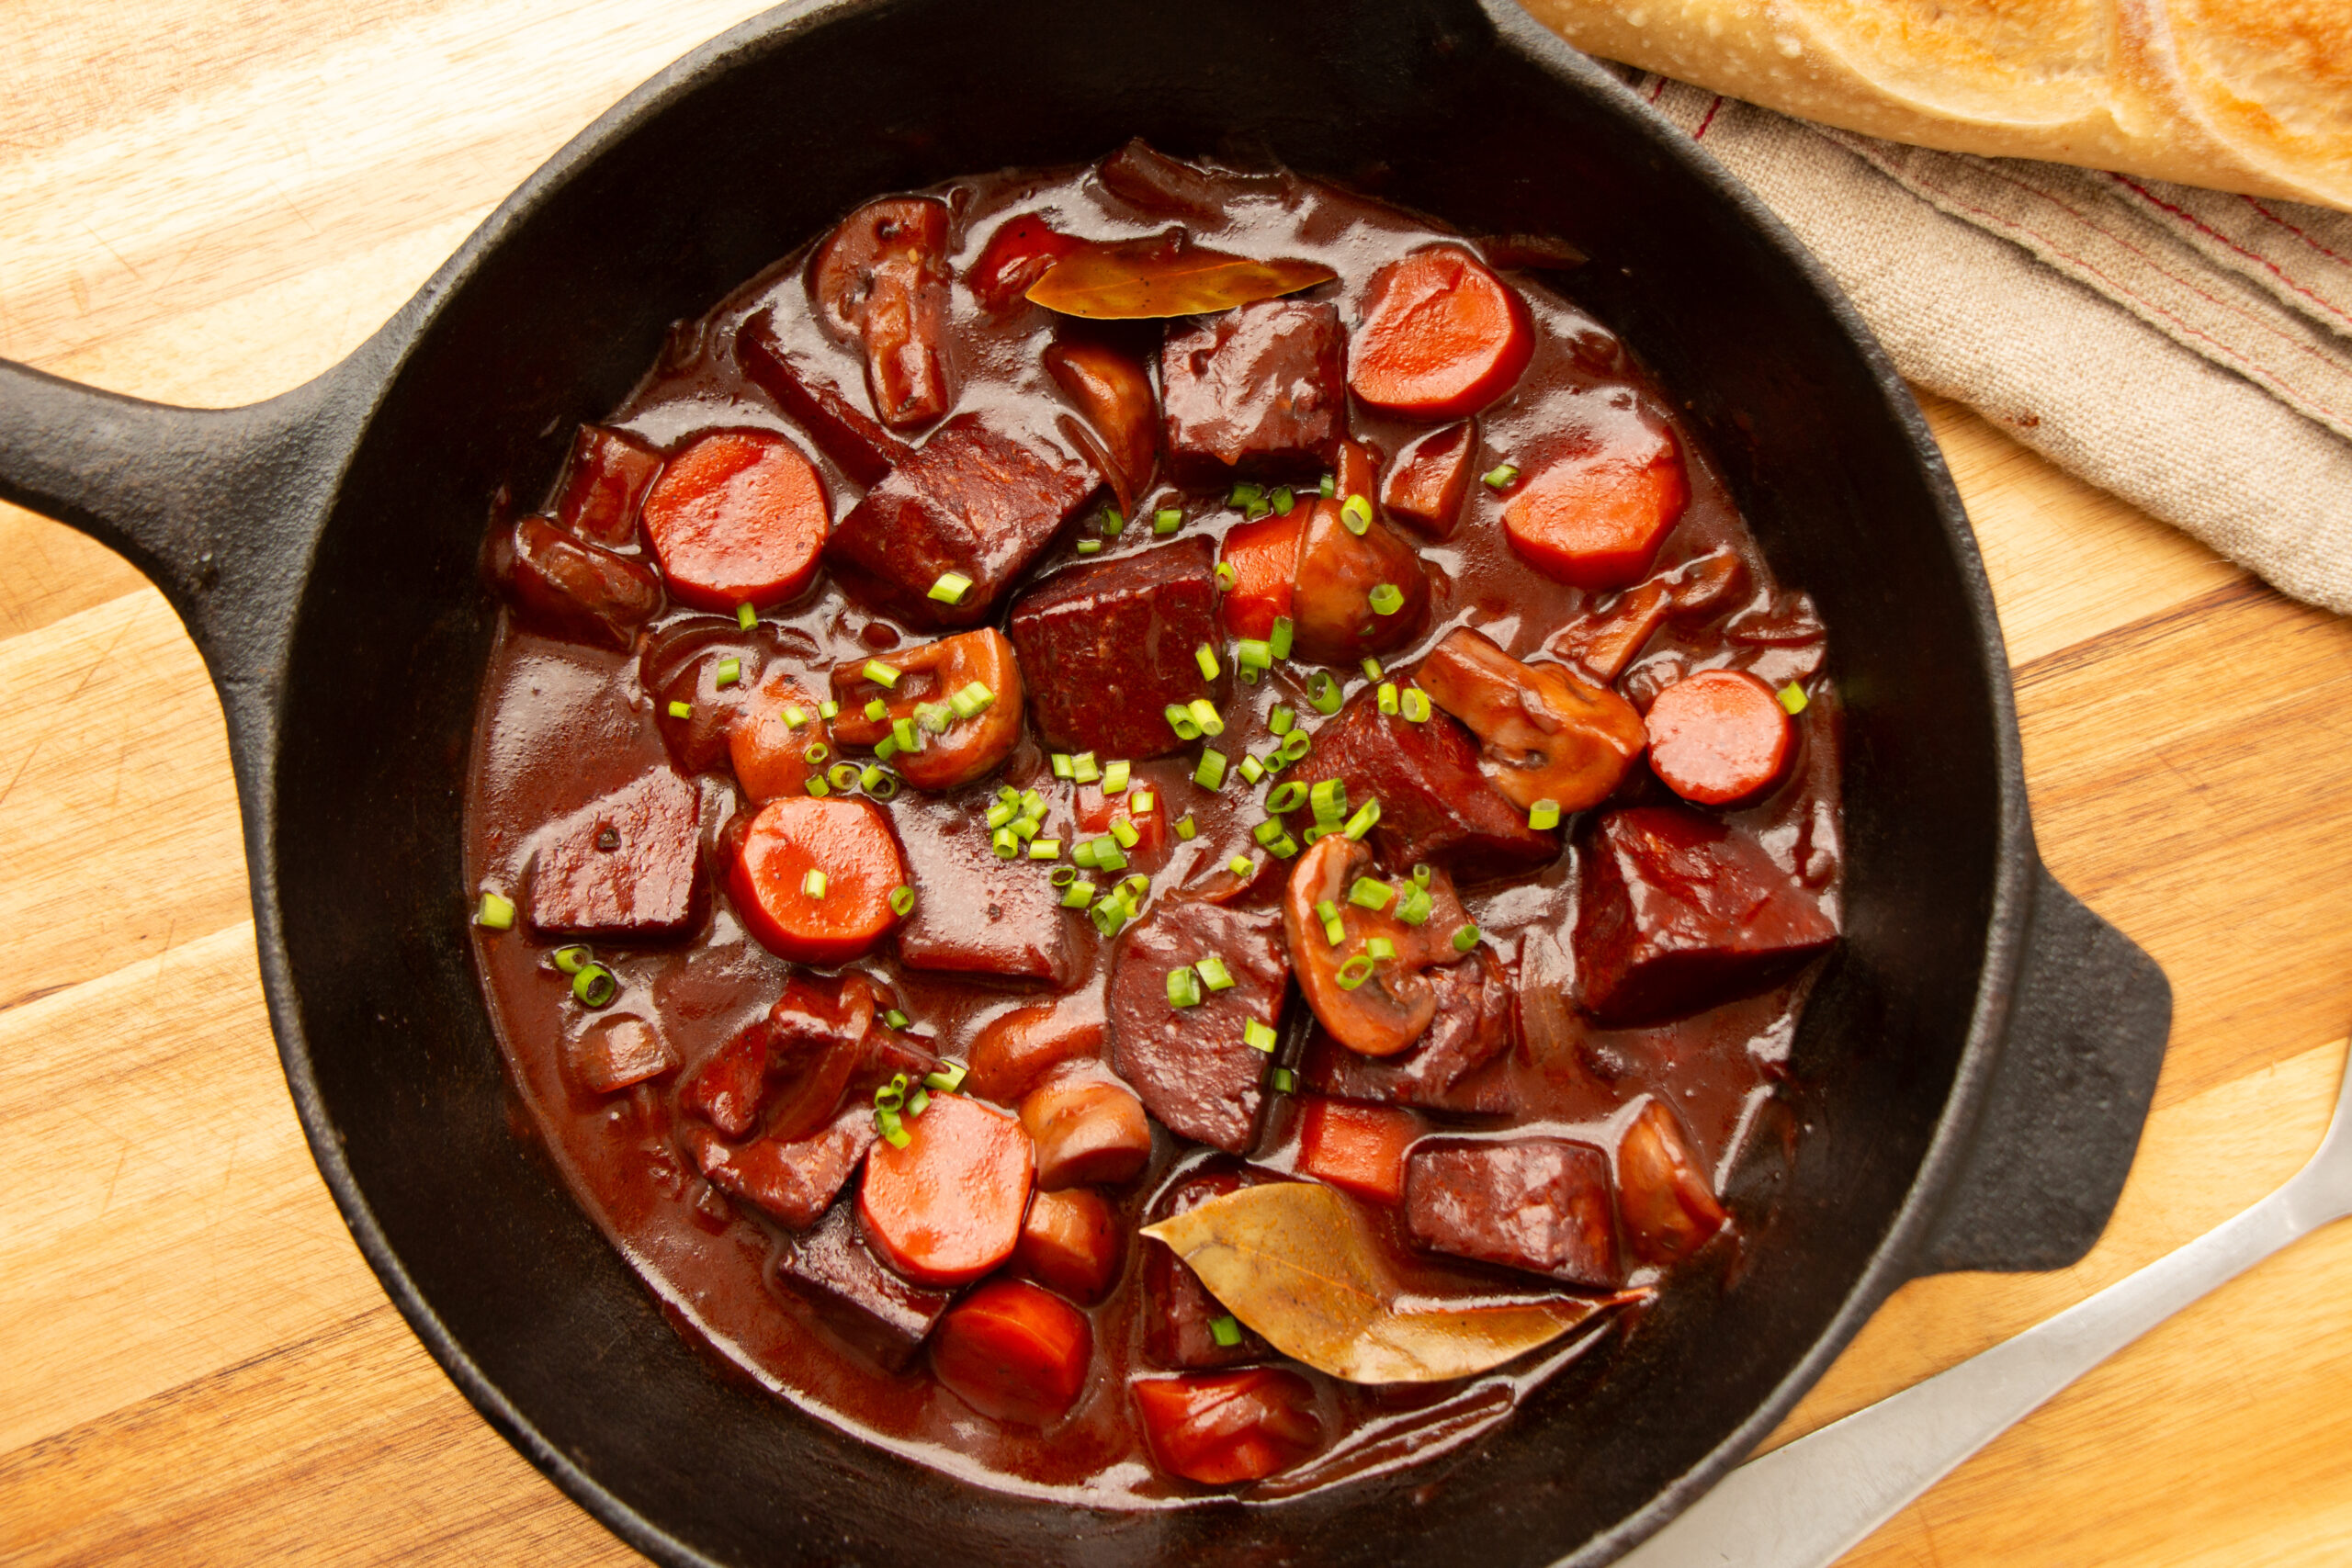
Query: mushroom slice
point(961, 697)
point(1548, 735)
point(1373, 998)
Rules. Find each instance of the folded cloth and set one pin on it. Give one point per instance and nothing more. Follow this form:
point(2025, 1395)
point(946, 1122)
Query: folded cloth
point(2189, 350)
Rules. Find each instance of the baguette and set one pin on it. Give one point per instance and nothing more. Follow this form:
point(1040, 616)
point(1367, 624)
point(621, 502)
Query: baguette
point(2249, 96)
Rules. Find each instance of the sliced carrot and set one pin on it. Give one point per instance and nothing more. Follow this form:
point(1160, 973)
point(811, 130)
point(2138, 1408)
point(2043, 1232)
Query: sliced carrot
point(737, 518)
point(1264, 558)
point(849, 843)
point(946, 1207)
point(1596, 520)
point(1015, 1049)
point(1358, 1148)
point(1221, 1427)
point(1097, 812)
point(1013, 1351)
point(1442, 337)
point(1071, 1243)
point(1427, 482)
point(766, 745)
point(1719, 738)
point(1087, 1130)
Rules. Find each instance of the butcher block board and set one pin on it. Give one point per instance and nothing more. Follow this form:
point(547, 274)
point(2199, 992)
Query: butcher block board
point(208, 202)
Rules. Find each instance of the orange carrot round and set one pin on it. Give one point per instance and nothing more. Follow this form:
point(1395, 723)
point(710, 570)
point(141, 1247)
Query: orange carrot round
point(1360, 1148)
point(1596, 520)
point(1228, 1427)
point(1264, 558)
point(737, 518)
point(1719, 738)
point(794, 840)
point(1013, 1351)
point(1442, 337)
point(946, 1207)
point(1071, 1243)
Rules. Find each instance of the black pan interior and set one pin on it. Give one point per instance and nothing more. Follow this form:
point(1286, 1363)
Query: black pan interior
point(742, 156)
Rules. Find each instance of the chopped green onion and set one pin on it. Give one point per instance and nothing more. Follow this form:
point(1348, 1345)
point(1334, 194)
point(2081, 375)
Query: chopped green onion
point(1314, 830)
point(1114, 523)
point(947, 1079)
point(828, 710)
point(1253, 655)
point(877, 710)
point(1006, 843)
point(1033, 803)
point(495, 913)
point(1367, 817)
point(1109, 915)
point(1466, 939)
point(1280, 640)
point(1354, 972)
point(1062, 876)
point(1226, 1331)
point(906, 734)
point(1387, 696)
point(1135, 888)
point(1210, 774)
point(682, 710)
point(593, 985)
point(1124, 831)
point(816, 752)
point(1281, 719)
point(1141, 803)
point(1380, 950)
point(1167, 520)
point(815, 785)
point(1241, 866)
point(1285, 1081)
point(1295, 746)
point(813, 885)
point(1083, 853)
point(793, 718)
point(1252, 769)
point(1498, 476)
point(1184, 988)
point(1180, 719)
point(1282, 848)
point(1371, 668)
point(1078, 895)
point(972, 701)
point(1089, 546)
point(1108, 856)
point(1416, 906)
point(745, 616)
point(896, 1019)
point(1285, 796)
point(1204, 717)
point(1186, 827)
point(886, 747)
point(1367, 894)
point(1025, 828)
point(1084, 768)
point(1323, 692)
point(918, 1101)
point(1792, 698)
point(1225, 576)
point(950, 588)
point(729, 671)
point(1544, 814)
point(881, 674)
point(894, 1132)
point(1329, 485)
point(1062, 766)
point(1329, 800)
point(1246, 493)
point(1206, 657)
point(935, 717)
point(1214, 974)
point(1268, 832)
point(1283, 501)
point(1044, 849)
point(1115, 776)
point(1001, 815)
point(879, 783)
point(574, 959)
point(1414, 704)
point(1387, 599)
point(1257, 1037)
point(1356, 512)
point(843, 776)
point(902, 900)
point(1423, 872)
point(1010, 795)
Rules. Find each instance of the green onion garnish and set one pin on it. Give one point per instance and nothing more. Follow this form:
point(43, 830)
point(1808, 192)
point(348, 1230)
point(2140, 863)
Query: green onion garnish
point(1001, 815)
point(813, 885)
point(1206, 719)
point(877, 710)
point(1423, 872)
point(1140, 804)
point(1415, 907)
point(1180, 719)
point(1084, 768)
point(886, 747)
point(745, 616)
point(815, 785)
point(1252, 769)
point(1225, 575)
point(1135, 888)
point(1366, 818)
point(574, 959)
point(902, 900)
point(1206, 657)
point(1210, 774)
point(1108, 917)
point(1033, 803)
point(495, 913)
point(1282, 848)
point(1186, 827)
point(947, 1079)
point(1044, 849)
point(1414, 704)
point(1354, 972)
point(1115, 776)
point(1792, 698)
point(828, 710)
point(1108, 856)
point(1329, 800)
point(1214, 974)
point(1078, 895)
point(1387, 599)
point(1285, 796)
point(1089, 546)
point(1245, 495)
point(894, 1132)
point(1257, 1037)
point(1367, 894)
point(1323, 692)
point(682, 710)
point(1356, 512)
point(1061, 764)
point(1241, 866)
point(879, 783)
point(881, 674)
point(950, 588)
point(1280, 640)
point(1466, 939)
point(1544, 814)
point(1184, 988)
point(1006, 843)
point(1281, 719)
point(1124, 831)
point(1268, 830)
point(815, 753)
point(843, 776)
point(1114, 523)
point(904, 732)
point(1083, 853)
point(595, 985)
point(1285, 1081)
point(896, 1019)
point(1226, 1331)
point(1283, 501)
point(918, 1101)
point(1371, 668)
point(793, 718)
point(1498, 476)
point(1062, 876)
point(1025, 828)
point(1380, 950)
point(1295, 746)
point(1167, 520)
point(936, 718)
point(1251, 655)
point(729, 671)
point(1328, 486)
point(972, 701)
point(1387, 696)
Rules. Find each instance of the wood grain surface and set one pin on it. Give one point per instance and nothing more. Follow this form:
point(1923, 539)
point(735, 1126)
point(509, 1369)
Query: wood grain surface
point(208, 201)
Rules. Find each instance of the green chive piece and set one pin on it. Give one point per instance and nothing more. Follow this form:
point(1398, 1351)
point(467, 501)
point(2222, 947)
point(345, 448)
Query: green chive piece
point(1062, 876)
point(886, 747)
point(815, 786)
point(1497, 477)
point(1226, 1331)
point(1225, 574)
point(1792, 698)
point(947, 1079)
point(495, 913)
point(1184, 988)
point(1366, 818)
point(1283, 501)
point(1257, 1037)
point(815, 753)
point(918, 1101)
point(1141, 803)
point(1416, 906)
point(934, 718)
point(729, 671)
point(879, 783)
point(1285, 798)
point(1280, 720)
point(1206, 719)
point(746, 617)
point(1368, 893)
point(1328, 486)
point(1033, 803)
point(1388, 698)
point(1356, 512)
point(1084, 768)
point(1380, 950)
point(1423, 872)
point(1025, 828)
point(1354, 972)
point(1006, 843)
point(682, 710)
point(1089, 546)
point(1323, 692)
point(974, 700)
point(595, 985)
point(896, 1019)
point(1167, 520)
point(1414, 704)
point(1282, 848)
point(1210, 774)
point(1544, 814)
point(828, 710)
point(881, 674)
point(1078, 895)
point(813, 885)
point(1280, 640)
point(951, 587)
point(1334, 930)
point(1245, 494)
point(1115, 776)
point(793, 718)
point(1328, 799)
point(1241, 866)
point(1268, 830)
point(1061, 764)
point(878, 711)
point(1001, 815)
point(843, 776)
point(1114, 523)
point(1295, 746)
point(894, 1132)
point(1108, 856)
point(1206, 657)
point(1466, 939)
point(1214, 974)
point(1252, 769)
point(1135, 888)
point(1387, 599)
point(1180, 719)
point(1371, 668)
point(1251, 655)
point(1124, 831)
point(1083, 853)
point(1108, 917)
point(906, 734)
point(1285, 1081)
point(574, 959)
point(902, 900)
point(1044, 849)
point(1186, 827)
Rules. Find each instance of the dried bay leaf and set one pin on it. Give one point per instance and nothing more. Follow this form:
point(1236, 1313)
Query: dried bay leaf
point(1298, 1262)
point(1165, 277)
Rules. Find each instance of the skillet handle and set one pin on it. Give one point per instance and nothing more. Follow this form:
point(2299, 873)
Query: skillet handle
point(219, 507)
point(2078, 1064)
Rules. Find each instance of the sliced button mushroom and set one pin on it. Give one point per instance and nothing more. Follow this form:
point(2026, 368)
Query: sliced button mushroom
point(1548, 735)
point(1374, 1002)
point(962, 696)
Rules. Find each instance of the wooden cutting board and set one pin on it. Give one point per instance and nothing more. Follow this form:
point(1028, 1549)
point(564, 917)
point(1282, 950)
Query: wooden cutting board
point(207, 202)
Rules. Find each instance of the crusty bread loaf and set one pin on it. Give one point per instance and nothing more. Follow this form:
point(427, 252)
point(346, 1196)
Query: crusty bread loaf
point(2252, 96)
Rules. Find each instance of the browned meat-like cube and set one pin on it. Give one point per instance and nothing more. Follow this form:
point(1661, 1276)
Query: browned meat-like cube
point(821, 1037)
point(795, 1180)
point(833, 1271)
point(1426, 485)
point(1179, 1312)
point(1192, 1067)
point(1541, 1204)
point(972, 501)
point(604, 484)
point(805, 390)
point(1107, 647)
point(976, 914)
point(1460, 1063)
point(1434, 803)
point(625, 865)
point(1678, 912)
point(569, 588)
point(1259, 389)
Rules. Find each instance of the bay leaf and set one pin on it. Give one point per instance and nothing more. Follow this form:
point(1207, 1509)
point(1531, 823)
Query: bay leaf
point(1298, 1262)
point(1154, 278)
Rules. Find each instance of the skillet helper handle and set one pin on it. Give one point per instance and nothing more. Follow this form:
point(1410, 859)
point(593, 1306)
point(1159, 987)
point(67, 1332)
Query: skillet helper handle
point(2086, 1038)
point(218, 507)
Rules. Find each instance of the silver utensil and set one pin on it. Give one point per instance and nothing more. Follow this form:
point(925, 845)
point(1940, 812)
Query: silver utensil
point(1803, 1505)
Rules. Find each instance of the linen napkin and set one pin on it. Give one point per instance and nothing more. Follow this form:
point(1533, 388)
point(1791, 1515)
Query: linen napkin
point(2187, 349)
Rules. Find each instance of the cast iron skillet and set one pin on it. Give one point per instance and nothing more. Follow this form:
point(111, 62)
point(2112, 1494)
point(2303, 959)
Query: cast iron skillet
point(1975, 1066)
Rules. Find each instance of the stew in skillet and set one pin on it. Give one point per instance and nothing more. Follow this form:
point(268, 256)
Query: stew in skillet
point(1153, 828)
